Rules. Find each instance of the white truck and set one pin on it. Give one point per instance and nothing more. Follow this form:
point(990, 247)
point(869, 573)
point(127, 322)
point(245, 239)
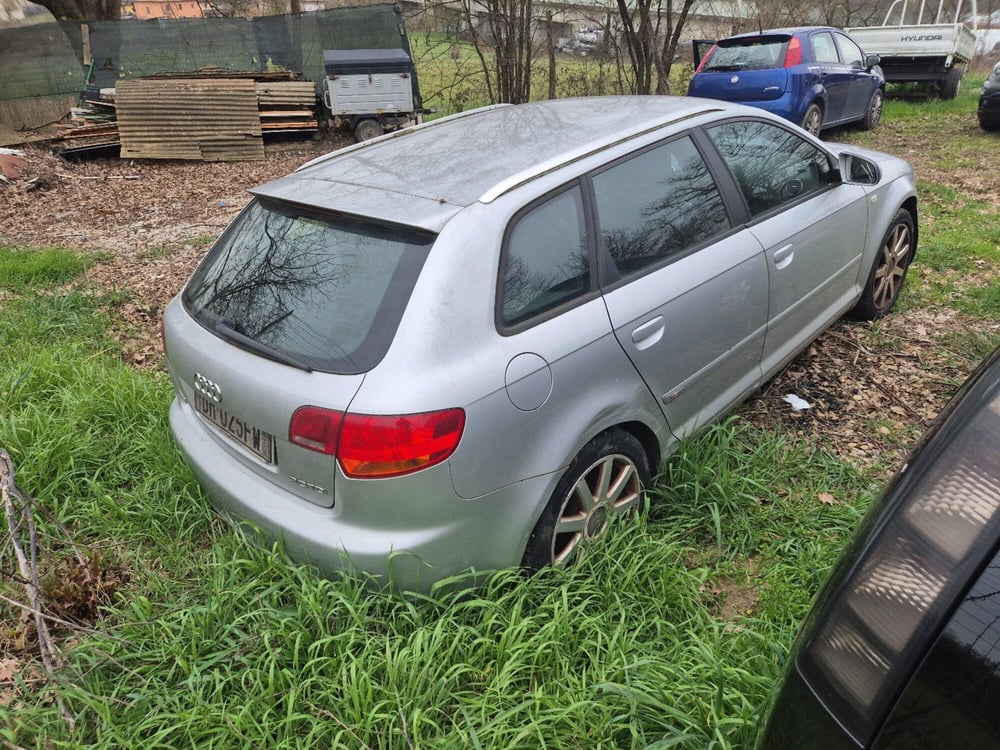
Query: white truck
point(919, 45)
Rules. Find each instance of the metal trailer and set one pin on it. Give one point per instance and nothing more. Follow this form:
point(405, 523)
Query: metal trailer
point(372, 90)
point(927, 50)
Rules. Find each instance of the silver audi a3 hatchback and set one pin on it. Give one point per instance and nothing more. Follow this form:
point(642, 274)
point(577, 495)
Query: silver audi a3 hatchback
point(473, 341)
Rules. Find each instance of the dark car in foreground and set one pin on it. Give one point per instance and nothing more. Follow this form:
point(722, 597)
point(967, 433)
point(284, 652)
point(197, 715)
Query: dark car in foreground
point(814, 76)
point(902, 648)
point(989, 101)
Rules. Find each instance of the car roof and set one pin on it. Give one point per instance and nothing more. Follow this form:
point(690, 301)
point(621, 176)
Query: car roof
point(423, 176)
point(790, 30)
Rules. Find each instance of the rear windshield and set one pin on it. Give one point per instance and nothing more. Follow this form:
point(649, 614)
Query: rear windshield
point(320, 292)
point(751, 53)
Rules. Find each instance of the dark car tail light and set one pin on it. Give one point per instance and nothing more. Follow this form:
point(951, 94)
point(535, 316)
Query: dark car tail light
point(793, 55)
point(705, 58)
point(899, 592)
point(379, 446)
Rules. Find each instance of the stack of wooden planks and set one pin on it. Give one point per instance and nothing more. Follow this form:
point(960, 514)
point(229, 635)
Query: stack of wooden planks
point(287, 106)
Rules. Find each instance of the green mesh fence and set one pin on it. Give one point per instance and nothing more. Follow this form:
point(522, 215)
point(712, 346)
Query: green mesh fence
point(47, 60)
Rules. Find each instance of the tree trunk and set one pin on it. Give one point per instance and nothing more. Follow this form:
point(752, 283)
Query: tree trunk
point(551, 40)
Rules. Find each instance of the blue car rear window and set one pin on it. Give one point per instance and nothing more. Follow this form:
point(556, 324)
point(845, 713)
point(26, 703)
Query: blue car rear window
point(312, 289)
point(748, 54)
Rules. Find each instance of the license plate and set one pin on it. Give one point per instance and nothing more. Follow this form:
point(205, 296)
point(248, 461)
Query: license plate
point(252, 438)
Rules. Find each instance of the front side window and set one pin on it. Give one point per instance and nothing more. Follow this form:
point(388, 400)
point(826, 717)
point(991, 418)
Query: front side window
point(324, 292)
point(547, 259)
point(850, 52)
point(773, 166)
point(658, 204)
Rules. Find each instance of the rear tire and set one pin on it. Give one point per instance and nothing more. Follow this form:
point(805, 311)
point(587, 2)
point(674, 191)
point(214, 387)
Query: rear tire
point(812, 121)
point(606, 478)
point(873, 115)
point(885, 281)
point(951, 84)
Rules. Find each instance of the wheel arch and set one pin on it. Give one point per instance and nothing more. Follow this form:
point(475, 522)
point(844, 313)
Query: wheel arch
point(910, 206)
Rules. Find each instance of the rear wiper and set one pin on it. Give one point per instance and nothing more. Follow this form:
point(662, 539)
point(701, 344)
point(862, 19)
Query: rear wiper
point(224, 326)
point(724, 67)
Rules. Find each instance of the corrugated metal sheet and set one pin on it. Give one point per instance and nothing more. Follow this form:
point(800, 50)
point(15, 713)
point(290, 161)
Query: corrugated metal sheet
point(286, 93)
point(180, 118)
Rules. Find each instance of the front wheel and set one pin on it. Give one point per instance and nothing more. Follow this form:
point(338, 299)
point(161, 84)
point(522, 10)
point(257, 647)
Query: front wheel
point(889, 270)
point(812, 121)
point(605, 479)
point(873, 115)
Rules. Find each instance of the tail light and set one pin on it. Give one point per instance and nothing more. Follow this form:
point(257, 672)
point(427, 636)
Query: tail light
point(888, 609)
point(793, 55)
point(705, 58)
point(378, 446)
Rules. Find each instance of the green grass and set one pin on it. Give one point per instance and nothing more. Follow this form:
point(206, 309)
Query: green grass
point(671, 633)
point(213, 642)
point(21, 268)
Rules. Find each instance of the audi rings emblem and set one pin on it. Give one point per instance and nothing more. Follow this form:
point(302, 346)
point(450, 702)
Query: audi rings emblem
point(207, 388)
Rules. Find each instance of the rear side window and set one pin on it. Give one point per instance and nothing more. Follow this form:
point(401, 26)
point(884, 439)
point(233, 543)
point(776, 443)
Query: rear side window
point(547, 259)
point(755, 53)
point(772, 166)
point(823, 48)
point(658, 204)
point(324, 292)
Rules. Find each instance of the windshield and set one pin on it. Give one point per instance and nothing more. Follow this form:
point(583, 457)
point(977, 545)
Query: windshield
point(305, 289)
point(755, 53)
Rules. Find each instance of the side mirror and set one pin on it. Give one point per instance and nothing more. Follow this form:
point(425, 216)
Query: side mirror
point(858, 170)
point(872, 60)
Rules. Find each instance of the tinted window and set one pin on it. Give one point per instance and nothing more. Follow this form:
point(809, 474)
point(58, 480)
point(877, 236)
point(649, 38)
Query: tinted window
point(823, 48)
point(547, 261)
point(326, 293)
point(773, 166)
point(850, 53)
point(755, 53)
point(657, 204)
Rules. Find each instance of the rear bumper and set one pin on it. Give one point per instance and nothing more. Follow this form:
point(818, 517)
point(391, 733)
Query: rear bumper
point(409, 534)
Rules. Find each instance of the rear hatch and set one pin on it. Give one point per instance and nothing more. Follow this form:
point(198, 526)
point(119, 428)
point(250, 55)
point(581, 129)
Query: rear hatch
point(744, 69)
point(289, 309)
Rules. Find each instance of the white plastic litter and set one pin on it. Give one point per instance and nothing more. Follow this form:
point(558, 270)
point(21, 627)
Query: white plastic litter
point(798, 404)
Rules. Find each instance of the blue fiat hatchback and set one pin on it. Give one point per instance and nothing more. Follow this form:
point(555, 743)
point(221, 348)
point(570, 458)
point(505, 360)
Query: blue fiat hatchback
point(815, 76)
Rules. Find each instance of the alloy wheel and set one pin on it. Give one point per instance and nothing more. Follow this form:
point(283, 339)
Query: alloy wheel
point(610, 486)
point(892, 266)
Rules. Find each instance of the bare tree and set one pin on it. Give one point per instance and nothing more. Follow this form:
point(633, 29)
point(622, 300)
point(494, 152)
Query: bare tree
point(502, 36)
point(651, 30)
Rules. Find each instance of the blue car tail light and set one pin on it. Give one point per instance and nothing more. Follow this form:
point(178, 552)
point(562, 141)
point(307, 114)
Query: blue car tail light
point(793, 55)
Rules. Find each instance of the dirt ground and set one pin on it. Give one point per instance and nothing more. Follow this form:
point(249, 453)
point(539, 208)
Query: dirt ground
point(872, 388)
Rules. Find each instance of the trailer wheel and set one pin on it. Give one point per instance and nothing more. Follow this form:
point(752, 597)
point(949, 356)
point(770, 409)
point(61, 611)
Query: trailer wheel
point(367, 129)
point(951, 84)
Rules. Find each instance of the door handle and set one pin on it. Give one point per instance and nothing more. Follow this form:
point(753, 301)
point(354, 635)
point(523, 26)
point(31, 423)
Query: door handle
point(648, 333)
point(784, 256)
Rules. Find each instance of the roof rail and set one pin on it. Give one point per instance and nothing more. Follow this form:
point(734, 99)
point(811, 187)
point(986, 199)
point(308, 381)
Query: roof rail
point(543, 168)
